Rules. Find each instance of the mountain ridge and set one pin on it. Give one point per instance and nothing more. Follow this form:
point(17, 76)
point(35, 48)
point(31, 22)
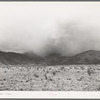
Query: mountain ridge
point(86, 57)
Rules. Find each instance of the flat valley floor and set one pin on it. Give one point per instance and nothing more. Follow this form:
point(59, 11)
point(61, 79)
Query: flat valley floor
point(50, 78)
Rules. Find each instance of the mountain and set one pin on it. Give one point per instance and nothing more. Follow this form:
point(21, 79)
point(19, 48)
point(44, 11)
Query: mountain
point(15, 58)
point(55, 59)
point(38, 59)
point(87, 57)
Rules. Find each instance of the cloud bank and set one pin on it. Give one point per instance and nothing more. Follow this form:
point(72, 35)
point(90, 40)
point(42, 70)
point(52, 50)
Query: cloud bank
point(67, 28)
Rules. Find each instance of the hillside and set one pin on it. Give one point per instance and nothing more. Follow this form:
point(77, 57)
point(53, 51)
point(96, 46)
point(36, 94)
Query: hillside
point(87, 57)
point(38, 59)
point(15, 58)
point(55, 59)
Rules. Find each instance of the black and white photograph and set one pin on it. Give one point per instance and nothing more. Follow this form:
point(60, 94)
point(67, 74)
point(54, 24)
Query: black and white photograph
point(50, 46)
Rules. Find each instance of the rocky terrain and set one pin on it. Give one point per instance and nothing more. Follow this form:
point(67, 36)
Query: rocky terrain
point(49, 78)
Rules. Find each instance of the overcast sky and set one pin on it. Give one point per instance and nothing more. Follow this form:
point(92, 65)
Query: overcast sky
point(44, 27)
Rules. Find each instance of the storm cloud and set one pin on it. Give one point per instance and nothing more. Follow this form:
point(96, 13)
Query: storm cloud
point(46, 27)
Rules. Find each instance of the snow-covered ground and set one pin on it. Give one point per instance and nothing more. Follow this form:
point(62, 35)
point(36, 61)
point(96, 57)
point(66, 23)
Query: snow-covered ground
point(50, 78)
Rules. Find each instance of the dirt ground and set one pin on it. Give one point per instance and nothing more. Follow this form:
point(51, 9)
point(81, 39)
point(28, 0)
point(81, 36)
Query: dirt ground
point(50, 78)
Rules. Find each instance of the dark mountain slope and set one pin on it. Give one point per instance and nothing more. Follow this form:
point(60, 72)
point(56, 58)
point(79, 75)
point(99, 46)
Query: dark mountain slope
point(55, 59)
point(38, 59)
point(15, 58)
point(87, 57)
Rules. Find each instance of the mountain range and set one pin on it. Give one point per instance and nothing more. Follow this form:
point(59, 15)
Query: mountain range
point(86, 57)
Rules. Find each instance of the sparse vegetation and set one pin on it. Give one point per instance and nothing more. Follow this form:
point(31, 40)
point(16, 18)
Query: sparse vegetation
point(90, 71)
point(50, 78)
